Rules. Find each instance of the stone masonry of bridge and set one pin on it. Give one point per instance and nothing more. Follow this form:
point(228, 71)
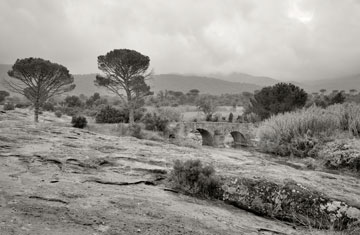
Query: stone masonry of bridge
point(213, 133)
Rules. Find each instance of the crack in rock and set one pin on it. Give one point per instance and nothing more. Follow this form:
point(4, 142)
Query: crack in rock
point(49, 199)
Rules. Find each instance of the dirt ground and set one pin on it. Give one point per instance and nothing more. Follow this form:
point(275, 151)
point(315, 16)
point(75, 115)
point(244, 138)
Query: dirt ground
point(55, 179)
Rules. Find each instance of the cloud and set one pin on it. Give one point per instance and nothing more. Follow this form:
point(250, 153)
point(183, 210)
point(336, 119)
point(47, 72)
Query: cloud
point(292, 39)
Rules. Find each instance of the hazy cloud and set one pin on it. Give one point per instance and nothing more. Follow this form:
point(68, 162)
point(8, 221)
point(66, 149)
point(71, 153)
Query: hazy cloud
point(289, 39)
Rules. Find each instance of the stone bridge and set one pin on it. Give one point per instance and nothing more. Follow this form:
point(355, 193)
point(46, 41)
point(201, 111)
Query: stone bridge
point(213, 133)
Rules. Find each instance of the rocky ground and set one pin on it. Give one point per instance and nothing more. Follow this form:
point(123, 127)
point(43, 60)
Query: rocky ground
point(55, 179)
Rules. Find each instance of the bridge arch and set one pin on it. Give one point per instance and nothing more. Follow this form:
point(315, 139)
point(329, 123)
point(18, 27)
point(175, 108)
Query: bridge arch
point(239, 138)
point(207, 137)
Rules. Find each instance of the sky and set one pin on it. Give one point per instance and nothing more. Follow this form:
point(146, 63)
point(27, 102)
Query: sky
point(284, 39)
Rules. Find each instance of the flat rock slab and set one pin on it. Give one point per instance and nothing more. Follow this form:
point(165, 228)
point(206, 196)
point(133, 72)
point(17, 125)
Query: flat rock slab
point(55, 179)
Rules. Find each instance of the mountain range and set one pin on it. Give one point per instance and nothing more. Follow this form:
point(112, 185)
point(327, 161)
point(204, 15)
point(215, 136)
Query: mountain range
point(209, 84)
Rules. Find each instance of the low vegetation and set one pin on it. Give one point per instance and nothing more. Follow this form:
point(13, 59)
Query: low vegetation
point(192, 177)
point(302, 133)
point(109, 114)
point(79, 122)
point(342, 155)
point(9, 106)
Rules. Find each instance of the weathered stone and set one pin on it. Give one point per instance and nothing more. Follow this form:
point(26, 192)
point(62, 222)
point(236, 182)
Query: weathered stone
point(213, 133)
point(290, 202)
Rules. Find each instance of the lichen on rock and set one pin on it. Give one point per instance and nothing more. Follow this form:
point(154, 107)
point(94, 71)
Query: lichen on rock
point(289, 201)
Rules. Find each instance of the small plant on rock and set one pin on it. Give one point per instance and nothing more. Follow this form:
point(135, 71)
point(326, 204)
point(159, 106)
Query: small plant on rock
point(79, 121)
point(195, 179)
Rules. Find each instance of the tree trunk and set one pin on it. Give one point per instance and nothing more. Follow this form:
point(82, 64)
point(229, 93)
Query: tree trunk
point(36, 112)
point(131, 115)
point(131, 107)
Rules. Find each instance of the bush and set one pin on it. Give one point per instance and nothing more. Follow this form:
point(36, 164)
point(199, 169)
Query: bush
point(300, 133)
point(22, 105)
point(195, 179)
point(171, 114)
point(348, 116)
point(58, 113)
point(154, 122)
point(73, 101)
point(342, 154)
point(9, 106)
point(231, 117)
point(79, 121)
point(48, 107)
point(282, 134)
point(109, 114)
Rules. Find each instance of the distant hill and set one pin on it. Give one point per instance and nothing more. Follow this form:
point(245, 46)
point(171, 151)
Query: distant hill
point(205, 85)
point(85, 84)
point(343, 83)
point(246, 78)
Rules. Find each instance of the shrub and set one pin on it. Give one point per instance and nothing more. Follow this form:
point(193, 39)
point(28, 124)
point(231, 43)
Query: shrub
point(348, 117)
point(155, 122)
point(193, 178)
point(300, 133)
point(252, 118)
point(285, 133)
point(48, 107)
point(22, 105)
point(58, 113)
point(206, 105)
point(342, 154)
point(171, 114)
point(231, 117)
point(9, 106)
point(217, 117)
point(109, 114)
point(73, 101)
point(79, 121)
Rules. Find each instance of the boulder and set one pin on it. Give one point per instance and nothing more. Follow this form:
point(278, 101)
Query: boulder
point(289, 201)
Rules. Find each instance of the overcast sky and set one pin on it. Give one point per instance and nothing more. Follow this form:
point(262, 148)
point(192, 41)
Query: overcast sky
point(284, 39)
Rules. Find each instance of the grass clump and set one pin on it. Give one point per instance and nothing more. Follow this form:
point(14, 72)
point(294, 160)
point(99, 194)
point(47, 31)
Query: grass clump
point(192, 177)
